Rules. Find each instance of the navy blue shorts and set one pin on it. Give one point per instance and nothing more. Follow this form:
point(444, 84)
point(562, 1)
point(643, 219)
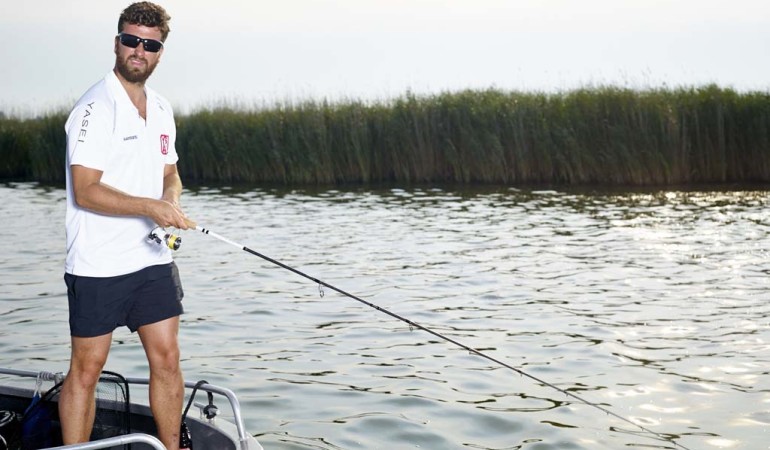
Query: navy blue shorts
point(98, 305)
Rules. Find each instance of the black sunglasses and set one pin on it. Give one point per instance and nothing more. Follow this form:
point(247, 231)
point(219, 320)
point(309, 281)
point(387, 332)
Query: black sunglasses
point(150, 45)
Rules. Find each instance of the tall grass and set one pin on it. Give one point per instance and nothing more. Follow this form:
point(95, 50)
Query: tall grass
point(33, 149)
point(604, 135)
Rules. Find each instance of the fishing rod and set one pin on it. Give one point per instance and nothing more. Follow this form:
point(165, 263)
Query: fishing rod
point(173, 242)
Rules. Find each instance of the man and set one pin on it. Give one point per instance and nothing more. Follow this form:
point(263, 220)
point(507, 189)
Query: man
point(122, 181)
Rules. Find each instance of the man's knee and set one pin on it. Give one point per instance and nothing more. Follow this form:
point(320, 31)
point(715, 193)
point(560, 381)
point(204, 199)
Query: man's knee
point(161, 345)
point(85, 375)
point(164, 361)
point(89, 355)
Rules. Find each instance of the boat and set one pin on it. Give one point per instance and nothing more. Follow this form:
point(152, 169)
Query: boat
point(137, 429)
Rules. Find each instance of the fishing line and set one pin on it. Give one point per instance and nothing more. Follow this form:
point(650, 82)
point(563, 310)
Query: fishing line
point(412, 325)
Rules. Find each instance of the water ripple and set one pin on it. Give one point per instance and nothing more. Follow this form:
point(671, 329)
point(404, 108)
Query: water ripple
point(652, 304)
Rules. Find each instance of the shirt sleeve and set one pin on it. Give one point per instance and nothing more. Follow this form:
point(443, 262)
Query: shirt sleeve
point(89, 132)
point(171, 157)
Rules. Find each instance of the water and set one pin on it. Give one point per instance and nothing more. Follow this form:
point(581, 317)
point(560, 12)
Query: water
point(653, 305)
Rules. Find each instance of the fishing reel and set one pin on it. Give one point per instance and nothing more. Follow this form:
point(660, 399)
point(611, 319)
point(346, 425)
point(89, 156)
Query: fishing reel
point(170, 240)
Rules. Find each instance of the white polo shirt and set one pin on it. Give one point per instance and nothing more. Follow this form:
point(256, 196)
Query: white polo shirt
point(106, 132)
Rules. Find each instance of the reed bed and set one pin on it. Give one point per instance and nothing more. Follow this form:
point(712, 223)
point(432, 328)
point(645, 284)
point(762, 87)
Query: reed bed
point(592, 136)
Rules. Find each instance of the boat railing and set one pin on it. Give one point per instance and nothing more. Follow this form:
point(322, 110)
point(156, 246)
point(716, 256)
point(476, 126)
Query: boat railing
point(227, 393)
point(42, 376)
point(133, 438)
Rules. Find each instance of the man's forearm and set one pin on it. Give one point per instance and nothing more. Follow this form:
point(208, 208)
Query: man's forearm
point(90, 193)
point(172, 187)
point(105, 199)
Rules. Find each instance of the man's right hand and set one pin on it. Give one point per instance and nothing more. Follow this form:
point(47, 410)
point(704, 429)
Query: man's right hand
point(166, 214)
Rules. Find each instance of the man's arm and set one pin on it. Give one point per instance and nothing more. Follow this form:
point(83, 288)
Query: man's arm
point(91, 193)
point(172, 185)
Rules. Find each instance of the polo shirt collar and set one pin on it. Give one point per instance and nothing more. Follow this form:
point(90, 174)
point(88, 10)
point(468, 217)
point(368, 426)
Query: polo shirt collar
point(121, 96)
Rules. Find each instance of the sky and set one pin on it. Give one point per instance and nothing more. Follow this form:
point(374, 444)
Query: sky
point(258, 53)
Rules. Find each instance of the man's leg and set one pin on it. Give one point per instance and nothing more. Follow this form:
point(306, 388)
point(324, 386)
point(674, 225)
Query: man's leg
point(166, 383)
point(77, 404)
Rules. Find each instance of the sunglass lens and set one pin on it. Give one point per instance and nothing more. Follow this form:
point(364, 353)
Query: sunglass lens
point(152, 45)
point(129, 40)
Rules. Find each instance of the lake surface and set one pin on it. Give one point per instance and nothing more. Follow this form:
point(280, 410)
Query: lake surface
point(653, 305)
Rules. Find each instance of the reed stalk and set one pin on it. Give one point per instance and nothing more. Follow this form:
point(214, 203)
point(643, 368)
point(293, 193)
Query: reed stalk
point(591, 136)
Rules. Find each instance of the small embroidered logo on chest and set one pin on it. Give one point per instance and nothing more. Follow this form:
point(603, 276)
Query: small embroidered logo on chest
point(164, 144)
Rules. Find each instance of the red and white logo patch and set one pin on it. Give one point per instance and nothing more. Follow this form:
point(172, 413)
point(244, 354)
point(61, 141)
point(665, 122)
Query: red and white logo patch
point(164, 144)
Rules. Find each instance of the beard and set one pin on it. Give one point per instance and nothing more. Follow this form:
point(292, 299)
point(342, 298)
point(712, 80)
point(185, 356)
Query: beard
point(134, 74)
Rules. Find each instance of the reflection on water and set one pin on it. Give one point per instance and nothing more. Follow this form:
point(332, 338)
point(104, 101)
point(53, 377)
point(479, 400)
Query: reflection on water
point(651, 304)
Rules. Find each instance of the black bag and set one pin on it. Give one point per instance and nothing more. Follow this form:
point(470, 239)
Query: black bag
point(10, 430)
point(37, 424)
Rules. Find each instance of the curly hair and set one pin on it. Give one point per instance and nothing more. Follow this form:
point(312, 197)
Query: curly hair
point(147, 14)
